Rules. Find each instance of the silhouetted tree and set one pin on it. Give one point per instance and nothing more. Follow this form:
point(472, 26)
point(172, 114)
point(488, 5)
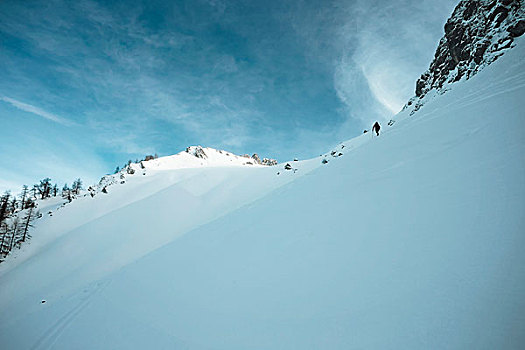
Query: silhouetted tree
point(77, 186)
point(34, 191)
point(66, 192)
point(23, 197)
point(13, 205)
point(13, 232)
point(28, 219)
point(44, 188)
point(29, 203)
point(4, 245)
point(4, 202)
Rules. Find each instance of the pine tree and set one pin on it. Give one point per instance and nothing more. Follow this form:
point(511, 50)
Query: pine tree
point(66, 193)
point(4, 202)
point(34, 191)
point(44, 188)
point(23, 196)
point(4, 245)
point(13, 205)
point(28, 219)
point(77, 186)
point(14, 228)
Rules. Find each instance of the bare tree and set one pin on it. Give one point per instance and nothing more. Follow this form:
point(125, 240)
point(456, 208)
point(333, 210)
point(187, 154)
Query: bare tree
point(14, 228)
point(66, 192)
point(28, 219)
point(34, 191)
point(13, 205)
point(4, 245)
point(77, 186)
point(44, 188)
point(4, 202)
point(23, 196)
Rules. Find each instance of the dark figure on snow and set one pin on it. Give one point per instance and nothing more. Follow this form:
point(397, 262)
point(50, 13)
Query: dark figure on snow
point(376, 128)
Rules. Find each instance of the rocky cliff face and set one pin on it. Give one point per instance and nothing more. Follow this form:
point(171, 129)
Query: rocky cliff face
point(197, 151)
point(477, 33)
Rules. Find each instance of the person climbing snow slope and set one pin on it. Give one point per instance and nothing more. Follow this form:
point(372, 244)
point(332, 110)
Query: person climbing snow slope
point(376, 128)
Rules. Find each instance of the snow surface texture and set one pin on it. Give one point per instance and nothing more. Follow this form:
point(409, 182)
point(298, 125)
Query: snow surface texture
point(410, 240)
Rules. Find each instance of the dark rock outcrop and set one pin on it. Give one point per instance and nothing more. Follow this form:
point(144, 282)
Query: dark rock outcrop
point(517, 29)
point(269, 162)
point(197, 151)
point(476, 34)
point(256, 158)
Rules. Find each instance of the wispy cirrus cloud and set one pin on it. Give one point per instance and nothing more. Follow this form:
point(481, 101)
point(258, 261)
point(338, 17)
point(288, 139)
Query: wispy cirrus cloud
point(284, 79)
point(36, 111)
point(388, 45)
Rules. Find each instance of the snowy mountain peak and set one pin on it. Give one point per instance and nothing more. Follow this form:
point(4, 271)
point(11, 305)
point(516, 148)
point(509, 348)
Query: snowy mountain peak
point(192, 157)
point(198, 156)
point(476, 34)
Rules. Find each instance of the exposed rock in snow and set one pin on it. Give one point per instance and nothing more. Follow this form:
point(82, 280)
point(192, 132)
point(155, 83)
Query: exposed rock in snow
point(105, 181)
point(256, 158)
point(197, 151)
point(269, 162)
point(477, 33)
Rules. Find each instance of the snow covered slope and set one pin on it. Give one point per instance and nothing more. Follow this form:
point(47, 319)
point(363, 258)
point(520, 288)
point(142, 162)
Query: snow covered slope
point(409, 240)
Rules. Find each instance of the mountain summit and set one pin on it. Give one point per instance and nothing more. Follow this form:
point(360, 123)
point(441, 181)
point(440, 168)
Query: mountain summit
point(192, 157)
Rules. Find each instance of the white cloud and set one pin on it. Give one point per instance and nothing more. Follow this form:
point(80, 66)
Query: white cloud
point(35, 110)
point(386, 48)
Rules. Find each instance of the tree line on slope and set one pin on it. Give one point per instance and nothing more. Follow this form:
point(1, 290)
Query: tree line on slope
point(128, 163)
point(17, 213)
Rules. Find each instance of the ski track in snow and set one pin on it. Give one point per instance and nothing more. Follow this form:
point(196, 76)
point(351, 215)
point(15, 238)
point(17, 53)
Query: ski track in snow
point(52, 334)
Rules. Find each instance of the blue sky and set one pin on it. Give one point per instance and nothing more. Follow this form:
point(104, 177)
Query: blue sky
point(87, 85)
